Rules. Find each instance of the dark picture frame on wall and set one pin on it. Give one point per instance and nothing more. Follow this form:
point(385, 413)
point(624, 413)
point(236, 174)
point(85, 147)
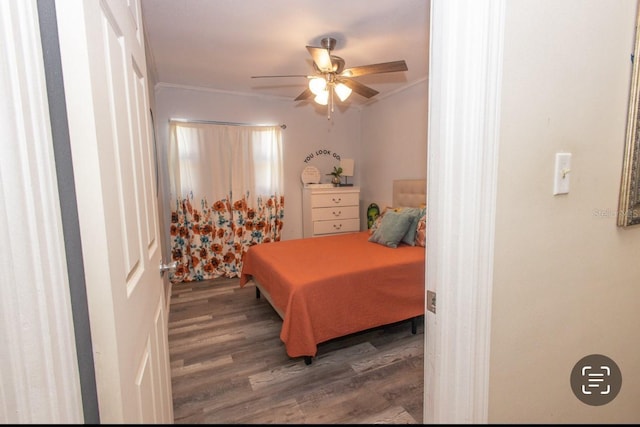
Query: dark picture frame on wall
point(629, 202)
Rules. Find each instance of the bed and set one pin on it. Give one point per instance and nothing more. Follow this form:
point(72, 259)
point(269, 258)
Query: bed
point(332, 286)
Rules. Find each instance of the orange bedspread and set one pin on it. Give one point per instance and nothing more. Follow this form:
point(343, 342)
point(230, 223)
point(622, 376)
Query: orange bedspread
point(332, 286)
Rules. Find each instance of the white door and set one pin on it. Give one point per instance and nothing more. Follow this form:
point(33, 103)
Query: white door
point(105, 79)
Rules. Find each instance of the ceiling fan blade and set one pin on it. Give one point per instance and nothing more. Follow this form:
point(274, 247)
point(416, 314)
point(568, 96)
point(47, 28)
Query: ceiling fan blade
point(359, 88)
point(321, 58)
point(304, 95)
point(285, 75)
point(384, 67)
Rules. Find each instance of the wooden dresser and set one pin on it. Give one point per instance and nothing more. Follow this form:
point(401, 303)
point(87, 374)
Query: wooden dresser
point(332, 210)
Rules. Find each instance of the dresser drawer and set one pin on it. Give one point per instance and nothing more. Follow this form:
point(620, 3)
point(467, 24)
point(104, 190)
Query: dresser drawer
point(335, 212)
point(336, 226)
point(335, 199)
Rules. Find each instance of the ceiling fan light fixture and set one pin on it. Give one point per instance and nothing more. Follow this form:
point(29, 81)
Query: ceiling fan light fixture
point(343, 91)
point(322, 98)
point(317, 85)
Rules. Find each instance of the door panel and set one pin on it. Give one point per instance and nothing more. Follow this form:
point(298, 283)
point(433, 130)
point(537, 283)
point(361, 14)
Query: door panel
point(104, 67)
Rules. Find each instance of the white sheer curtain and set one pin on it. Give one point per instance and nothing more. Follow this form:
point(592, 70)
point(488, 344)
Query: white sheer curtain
point(194, 150)
point(216, 160)
point(261, 148)
point(227, 183)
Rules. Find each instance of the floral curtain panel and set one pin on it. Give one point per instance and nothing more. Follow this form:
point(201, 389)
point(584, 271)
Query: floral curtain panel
point(226, 182)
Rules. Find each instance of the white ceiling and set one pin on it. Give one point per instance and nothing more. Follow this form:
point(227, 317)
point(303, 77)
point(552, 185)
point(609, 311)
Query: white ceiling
point(220, 44)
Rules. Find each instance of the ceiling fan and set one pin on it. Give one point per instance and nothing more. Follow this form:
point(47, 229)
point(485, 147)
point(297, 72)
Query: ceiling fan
point(332, 79)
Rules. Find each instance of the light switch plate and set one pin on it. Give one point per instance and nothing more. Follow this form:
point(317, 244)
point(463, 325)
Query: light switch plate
point(561, 173)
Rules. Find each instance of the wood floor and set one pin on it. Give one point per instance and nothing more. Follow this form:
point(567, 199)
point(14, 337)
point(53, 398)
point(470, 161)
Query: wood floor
point(228, 366)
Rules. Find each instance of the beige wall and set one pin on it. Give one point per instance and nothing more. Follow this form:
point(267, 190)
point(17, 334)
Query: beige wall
point(567, 280)
point(394, 142)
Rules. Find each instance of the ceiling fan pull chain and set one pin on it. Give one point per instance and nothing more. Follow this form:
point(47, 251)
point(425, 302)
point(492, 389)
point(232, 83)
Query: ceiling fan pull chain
point(332, 98)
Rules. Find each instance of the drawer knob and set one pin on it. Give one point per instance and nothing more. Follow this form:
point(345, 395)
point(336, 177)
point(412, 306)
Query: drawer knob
point(338, 200)
point(337, 226)
point(337, 214)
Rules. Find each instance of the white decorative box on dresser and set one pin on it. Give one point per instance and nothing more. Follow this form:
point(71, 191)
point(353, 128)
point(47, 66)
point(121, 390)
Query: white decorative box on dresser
point(330, 210)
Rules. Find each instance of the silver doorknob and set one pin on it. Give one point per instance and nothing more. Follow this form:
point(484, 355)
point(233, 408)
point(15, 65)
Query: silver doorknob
point(168, 267)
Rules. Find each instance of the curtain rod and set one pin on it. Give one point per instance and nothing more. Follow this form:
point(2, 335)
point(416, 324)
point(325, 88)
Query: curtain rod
point(211, 122)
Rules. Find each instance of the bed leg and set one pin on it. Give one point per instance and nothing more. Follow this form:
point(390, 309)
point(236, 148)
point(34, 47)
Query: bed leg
point(257, 293)
point(307, 360)
point(414, 325)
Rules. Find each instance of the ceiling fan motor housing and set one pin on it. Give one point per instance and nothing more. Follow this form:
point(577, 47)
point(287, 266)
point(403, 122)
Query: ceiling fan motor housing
point(328, 43)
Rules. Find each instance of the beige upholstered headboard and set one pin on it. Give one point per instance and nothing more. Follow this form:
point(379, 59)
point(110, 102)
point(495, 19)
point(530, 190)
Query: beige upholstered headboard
point(409, 192)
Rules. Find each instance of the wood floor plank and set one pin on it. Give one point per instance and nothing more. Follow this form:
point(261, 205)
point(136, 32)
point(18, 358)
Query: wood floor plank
point(183, 370)
point(393, 415)
point(411, 347)
point(345, 405)
point(298, 370)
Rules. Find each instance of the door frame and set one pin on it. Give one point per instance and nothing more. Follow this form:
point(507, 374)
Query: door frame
point(44, 363)
point(466, 44)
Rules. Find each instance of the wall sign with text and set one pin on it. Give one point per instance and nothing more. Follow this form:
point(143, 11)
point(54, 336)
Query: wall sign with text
point(321, 152)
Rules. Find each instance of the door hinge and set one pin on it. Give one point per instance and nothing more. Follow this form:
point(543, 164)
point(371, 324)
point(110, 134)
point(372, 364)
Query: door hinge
point(431, 301)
